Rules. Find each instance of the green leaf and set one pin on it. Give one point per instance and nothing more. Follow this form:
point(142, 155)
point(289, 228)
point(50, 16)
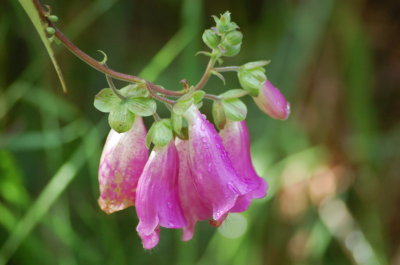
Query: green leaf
point(106, 100)
point(218, 114)
point(40, 26)
point(233, 93)
point(235, 109)
point(120, 118)
point(141, 106)
point(182, 106)
point(161, 133)
point(134, 91)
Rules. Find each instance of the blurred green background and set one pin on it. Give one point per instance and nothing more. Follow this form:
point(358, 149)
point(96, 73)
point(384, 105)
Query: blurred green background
point(333, 167)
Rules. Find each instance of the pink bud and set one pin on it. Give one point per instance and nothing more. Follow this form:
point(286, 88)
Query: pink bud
point(121, 164)
point(271, 101)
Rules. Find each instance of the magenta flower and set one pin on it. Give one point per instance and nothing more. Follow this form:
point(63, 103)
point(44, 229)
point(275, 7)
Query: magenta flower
point(271, 101)
point(158, 202)
point(214, 177)
point(236, 140)
point(121, 164)
point(194, 205)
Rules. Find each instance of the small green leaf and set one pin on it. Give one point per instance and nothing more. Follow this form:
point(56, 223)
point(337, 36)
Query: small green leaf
point(134, 91)
point(162, 132)
point(106, 100)
point(235, 109)
point(218, 114)
point(198, 96)
point(141, 106)
point(182, 106)
point(120, 118)
point(234, 93)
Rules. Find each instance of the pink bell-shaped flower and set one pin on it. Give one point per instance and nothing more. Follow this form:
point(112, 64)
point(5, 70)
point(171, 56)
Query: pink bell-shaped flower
point(194, 205)
point(158, 202)
point(121, 164)
point(214, 177)
point(271, 101)
point(236, 140)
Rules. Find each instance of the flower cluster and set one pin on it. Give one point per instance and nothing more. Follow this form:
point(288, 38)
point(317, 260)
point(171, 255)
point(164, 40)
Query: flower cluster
point(194, 171)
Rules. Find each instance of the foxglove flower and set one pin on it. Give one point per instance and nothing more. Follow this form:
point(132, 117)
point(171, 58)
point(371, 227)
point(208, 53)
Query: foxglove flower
point(271, 101)
point(194, 205)
point(158, 201)
point(121, 164)
point(214, 177)
point(235, 138)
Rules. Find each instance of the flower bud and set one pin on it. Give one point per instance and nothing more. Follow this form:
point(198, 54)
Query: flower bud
point(252, 80)
point(224, 23)
point(233, 38)
point(229, 50)
point(271, 101)
point(210, 38)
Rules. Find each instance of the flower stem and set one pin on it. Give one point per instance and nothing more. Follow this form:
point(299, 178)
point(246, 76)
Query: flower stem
point(93, 62)
point(160, 98)
point(114, 89)
point(207, 72)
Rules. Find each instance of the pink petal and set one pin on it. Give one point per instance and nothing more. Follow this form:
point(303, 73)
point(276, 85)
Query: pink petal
point(236, 140)
point(121, 164)
point(214, 177)
point(271, 101)
point(194, 206)
point(158, 202)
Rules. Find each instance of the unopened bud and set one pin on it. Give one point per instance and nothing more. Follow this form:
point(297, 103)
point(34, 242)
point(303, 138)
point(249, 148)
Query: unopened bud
point(53, 18)
point(252, 80)
point(50, 30)
point(271, 101)
point(233, 38)
point(210, 38)
point(224, 24)
point(229, 50)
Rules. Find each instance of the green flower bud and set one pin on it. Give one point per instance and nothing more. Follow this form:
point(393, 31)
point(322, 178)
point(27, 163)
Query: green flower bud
point(233, 38)
point(210, 38)
point(53, 18)
point(252, 80)
point(224, 24)
point(50, 30)
point(229, 50)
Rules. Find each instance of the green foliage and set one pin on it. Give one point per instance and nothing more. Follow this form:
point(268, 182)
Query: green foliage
point(235, 109)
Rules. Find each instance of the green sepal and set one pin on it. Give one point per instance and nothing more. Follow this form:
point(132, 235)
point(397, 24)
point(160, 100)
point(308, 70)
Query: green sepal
point(160, 133)
point(218, 114)
point(254, 65)
point(198, 96)
point(233, 93)
point(252, 80)
point(141, 106)
point(176, 121)
point(120, 118)
point(182, 105)
point(235, 109)
point(106, 100)
point(137, 90)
